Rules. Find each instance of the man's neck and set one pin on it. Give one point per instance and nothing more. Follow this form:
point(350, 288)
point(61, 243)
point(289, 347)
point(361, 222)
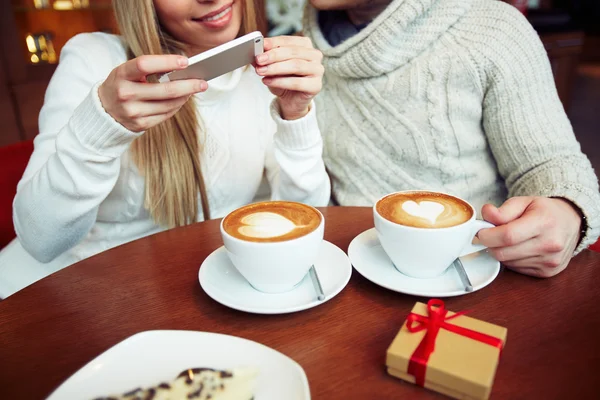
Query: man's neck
point(368, 12)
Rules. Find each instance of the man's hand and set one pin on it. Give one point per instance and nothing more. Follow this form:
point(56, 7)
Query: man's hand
point(534, 235)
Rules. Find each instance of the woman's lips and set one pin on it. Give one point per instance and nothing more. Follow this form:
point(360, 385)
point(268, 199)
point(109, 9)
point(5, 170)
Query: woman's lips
point(218, 20)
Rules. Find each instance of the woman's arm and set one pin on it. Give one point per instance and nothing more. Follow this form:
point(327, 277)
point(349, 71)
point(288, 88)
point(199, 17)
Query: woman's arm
point(294, 163)
point(85, 127)
point(76, 159)
point(292, 70)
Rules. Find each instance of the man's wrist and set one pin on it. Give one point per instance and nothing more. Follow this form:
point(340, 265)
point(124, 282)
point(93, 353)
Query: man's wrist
point(583, 227)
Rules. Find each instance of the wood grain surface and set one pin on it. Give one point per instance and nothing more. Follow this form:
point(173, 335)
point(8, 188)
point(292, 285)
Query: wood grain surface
point(52, 328)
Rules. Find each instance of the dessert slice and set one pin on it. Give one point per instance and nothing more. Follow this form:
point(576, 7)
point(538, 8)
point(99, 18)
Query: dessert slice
point(199, 384)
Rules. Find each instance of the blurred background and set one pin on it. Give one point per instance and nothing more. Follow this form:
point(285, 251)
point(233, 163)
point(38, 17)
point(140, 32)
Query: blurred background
point(34, 31)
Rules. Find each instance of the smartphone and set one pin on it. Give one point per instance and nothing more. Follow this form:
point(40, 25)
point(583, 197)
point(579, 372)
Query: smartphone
point(221, 59)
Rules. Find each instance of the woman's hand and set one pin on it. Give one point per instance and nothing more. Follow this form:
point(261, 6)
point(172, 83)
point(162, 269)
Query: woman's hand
point(139, 105)
point(534, 235)
point(292, 70)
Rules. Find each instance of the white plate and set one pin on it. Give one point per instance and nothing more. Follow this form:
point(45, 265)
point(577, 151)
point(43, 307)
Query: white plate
point(369, 259)
point(151, 357)
point(222, 281)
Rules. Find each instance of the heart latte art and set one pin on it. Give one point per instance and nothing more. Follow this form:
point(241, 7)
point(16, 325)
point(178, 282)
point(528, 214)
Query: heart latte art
point(265, 224)
point(429, 210)
point(424, 209)
point(273, 221)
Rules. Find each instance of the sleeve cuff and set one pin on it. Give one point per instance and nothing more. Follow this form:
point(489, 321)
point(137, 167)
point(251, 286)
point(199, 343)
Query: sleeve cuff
point(588, 203)
point(298, 134)
point(99, 131)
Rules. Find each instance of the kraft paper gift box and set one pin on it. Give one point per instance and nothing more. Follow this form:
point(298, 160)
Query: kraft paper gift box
point(446, 352)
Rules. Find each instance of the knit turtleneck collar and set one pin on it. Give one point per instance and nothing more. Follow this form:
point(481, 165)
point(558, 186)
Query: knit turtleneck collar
point(401, 32)
point(221, 86)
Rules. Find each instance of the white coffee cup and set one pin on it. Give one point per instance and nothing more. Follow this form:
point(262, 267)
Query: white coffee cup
point(275, 267)
point(427, 252)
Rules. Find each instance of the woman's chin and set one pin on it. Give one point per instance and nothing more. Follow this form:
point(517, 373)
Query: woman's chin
point(214, 39)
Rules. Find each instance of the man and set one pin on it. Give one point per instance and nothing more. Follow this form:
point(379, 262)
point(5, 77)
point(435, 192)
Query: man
point(455, 96)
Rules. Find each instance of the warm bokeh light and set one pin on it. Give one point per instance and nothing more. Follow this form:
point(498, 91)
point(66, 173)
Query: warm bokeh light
point(41, 48)
point(42, 43)
point(30, 44)
point(70, 4)
point(63, 5)
point(40, 4)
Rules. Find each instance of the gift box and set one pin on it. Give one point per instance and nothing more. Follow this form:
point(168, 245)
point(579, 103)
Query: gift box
point(447, 352)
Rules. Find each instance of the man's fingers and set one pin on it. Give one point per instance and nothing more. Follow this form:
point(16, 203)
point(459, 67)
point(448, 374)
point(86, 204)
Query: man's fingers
point(512, 209)
point(544, 266)
point(527, 249)
point(513, 233)
point(530, 271)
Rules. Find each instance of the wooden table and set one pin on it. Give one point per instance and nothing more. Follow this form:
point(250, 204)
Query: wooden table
point(52, 328)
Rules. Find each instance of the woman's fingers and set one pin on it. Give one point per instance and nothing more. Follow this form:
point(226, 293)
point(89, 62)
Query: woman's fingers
point(291, 67)
point(144, 115)
point(286, 41)
point(139, 68)
point(289, 53)
point(151, 108)
point(159, 91)
point(148, 122)
point(308, 87)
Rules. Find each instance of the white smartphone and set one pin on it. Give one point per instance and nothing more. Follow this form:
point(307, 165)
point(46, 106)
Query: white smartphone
point(220, 60)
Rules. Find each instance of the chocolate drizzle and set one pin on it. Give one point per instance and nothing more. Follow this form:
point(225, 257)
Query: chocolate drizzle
point(132, 392)
point(194, 371)
point(150, 395)
point(197, 393)
point(199, 384)
point(225, 374)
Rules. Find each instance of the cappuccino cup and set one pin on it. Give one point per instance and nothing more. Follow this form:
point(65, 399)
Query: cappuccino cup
point(423, 232)
point(273, 244)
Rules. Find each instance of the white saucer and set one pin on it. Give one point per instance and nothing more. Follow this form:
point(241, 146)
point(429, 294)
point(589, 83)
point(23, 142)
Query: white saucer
point(222, 281)
point(369, 259)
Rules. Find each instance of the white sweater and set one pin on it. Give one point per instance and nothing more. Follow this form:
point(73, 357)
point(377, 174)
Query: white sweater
point(82, 194)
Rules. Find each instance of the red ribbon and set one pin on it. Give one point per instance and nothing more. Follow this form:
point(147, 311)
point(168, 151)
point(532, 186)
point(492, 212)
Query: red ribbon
point(432, 324)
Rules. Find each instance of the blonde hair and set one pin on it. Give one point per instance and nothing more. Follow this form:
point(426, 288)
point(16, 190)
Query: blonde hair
point(168, 155)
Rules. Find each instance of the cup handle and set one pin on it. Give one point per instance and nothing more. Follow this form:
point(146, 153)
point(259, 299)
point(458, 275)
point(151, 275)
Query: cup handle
point(474, 248)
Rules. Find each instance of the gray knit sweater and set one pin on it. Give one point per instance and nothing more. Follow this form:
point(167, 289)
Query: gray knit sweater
point(448, 95)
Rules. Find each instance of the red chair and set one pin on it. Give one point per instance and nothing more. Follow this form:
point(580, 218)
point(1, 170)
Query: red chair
point(595, 246)
point(13, 160)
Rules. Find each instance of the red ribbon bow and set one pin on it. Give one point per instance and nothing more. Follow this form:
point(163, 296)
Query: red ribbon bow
point(432, 324)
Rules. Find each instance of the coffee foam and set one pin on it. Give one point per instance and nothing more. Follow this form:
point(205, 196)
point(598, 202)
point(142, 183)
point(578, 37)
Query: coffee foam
point(272, 221)
point(265, 225)
point(424, 209)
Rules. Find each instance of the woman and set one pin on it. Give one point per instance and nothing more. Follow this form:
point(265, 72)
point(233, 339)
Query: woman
point(456, 96)
point(118, 158)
